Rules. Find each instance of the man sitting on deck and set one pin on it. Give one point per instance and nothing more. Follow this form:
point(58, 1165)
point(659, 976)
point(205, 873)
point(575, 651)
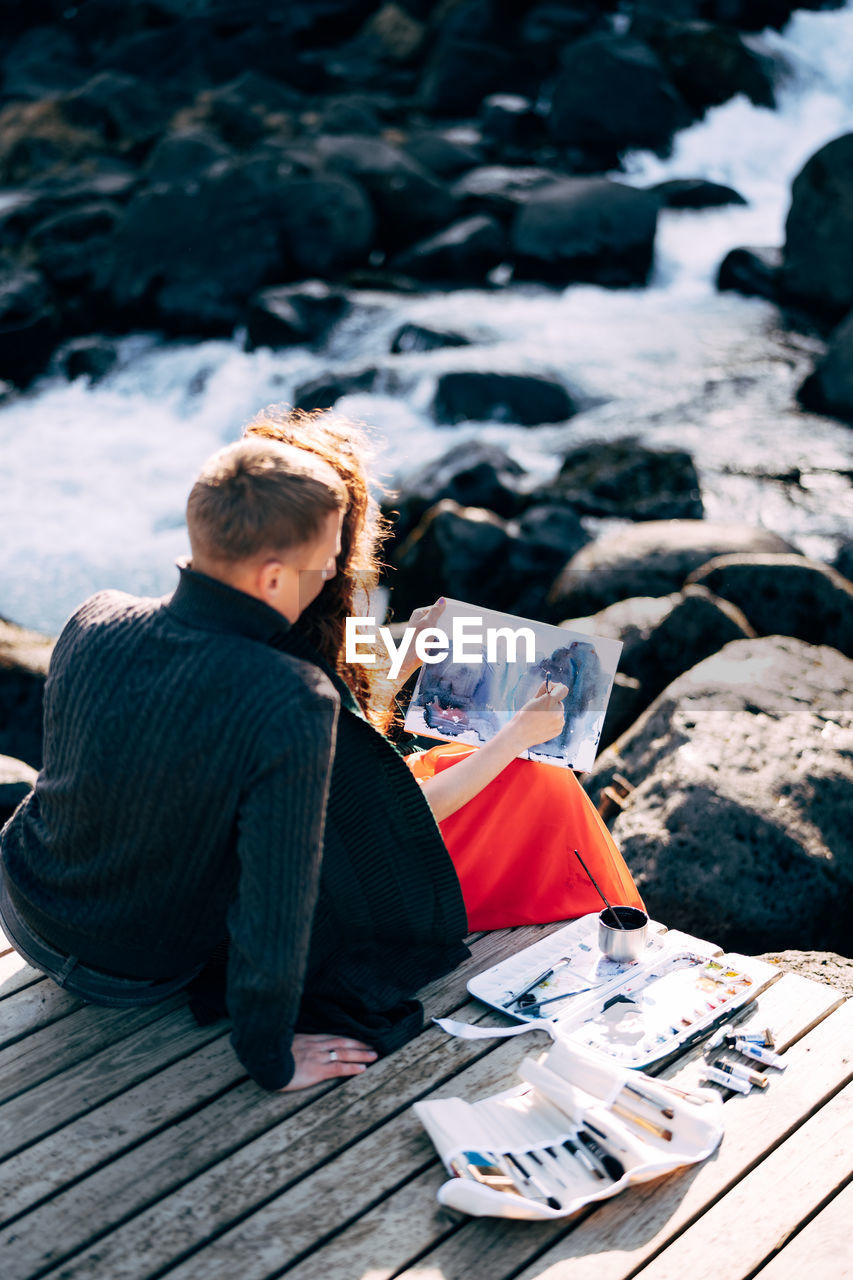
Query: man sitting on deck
point(180, 814)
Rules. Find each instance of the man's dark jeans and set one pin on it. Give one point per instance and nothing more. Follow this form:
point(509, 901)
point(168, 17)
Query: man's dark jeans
point(91, 985)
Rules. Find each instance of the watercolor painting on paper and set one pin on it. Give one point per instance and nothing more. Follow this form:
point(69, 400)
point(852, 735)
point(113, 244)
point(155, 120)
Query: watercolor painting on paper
point(469, 701)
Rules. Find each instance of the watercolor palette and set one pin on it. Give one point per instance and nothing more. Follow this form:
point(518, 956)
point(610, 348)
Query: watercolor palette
point(637, 1012)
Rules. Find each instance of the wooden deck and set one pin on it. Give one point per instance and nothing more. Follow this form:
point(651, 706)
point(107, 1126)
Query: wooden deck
point(134, 1146)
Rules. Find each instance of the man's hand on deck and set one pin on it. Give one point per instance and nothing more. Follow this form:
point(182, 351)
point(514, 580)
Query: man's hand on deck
point(322, 1057)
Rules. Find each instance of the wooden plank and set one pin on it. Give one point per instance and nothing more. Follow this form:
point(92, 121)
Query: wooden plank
point(164, 1162)
point(622, 1235)
point(85, 1032)
point(15, 974)
point(42, 1169)
point(38, 1112)
point(786, 1188)
point(823, 1247)
point(37, 1006)
point(507, 1244)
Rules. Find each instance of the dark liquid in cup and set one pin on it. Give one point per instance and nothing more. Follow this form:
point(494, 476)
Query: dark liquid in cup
point(631, 917)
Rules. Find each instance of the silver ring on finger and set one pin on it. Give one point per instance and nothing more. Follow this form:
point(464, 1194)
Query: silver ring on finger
point(333, 1057)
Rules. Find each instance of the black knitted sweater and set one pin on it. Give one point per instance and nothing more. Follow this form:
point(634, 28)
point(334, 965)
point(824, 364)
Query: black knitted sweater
point(207, 776)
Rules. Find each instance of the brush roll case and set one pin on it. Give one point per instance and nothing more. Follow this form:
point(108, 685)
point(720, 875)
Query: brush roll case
point(568, 1095)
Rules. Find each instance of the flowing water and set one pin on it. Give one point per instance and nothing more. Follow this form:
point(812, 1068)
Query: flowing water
point(93, 480)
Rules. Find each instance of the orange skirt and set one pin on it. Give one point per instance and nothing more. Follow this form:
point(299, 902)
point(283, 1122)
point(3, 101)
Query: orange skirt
point(512, 844)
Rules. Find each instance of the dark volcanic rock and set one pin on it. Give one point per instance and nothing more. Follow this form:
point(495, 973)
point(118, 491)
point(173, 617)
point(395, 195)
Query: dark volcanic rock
point(695, 193)
point(612, 94)
point(126, 111)
point(183, 152)
point(623, 478)
point(500, 189)
point(473, 474)
point(649, 559)
point(709, 64)
point(754, 272)
point(817, 272)
point(509, 120)
point(466, 252)
point(188, 257)
point(409, 202)
point(665, 635)
point(469, 396)
point(17, 780)
point(586, 230)
point(286, 314)
point(71, 246)
point(548, 28)
point(844, 560)
point(41, 63)
point(740, 825)
point(417, 337)
point(786, 595)
point(36, 139)
point(24, 660)
point(829, 388)
point(322, 393)
point(441, 155)
point(90, 358)
point(471, 554)
point(28, 324)
point(460, 73)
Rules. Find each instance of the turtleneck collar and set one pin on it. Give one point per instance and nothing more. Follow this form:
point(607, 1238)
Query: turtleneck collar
point(210, 605)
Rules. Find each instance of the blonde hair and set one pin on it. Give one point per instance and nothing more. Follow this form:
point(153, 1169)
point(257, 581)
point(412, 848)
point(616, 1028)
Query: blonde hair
point(259, 496)
point(346, 446)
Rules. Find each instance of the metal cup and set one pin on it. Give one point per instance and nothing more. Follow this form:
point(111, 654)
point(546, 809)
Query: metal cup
point(628, 943)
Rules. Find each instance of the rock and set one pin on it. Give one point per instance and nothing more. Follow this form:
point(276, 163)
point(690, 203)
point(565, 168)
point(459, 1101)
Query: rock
point(40, 64)
point(500, 189)
point(91, 358)
point(586, 230)
point(399, 35)
point(326, 225)
point(662, 636)
point(844, 560)
point(817, 272)
point(465, 253)
point(829, 388)
point(408, 201)
point(169, 266)
point(245, 109)
point(459, 73)
point(526, 399)
point(24, 660)
point(288, 314)
point(510, 120)
point(127, 112)
point(442, 155)
point(322, 393)
point(611, 95)
point(36, 139)
point(708, 64)
point(695, 193)
point(455, 551)
point(471, 554)
point(739, 826)
point(28, 324)
point(472, 474)
point(754, 272)
point(349, 113)
point(548, 28)
point(418, 337)
point(623, 478)
point(787, 595)
point(650, 559)
point(72, 245)
point(818, 966)
point(17, 780)
point(543, 537)
point(184, 152)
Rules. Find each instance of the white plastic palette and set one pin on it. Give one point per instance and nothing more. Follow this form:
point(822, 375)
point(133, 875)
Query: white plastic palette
point(636, 1012)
